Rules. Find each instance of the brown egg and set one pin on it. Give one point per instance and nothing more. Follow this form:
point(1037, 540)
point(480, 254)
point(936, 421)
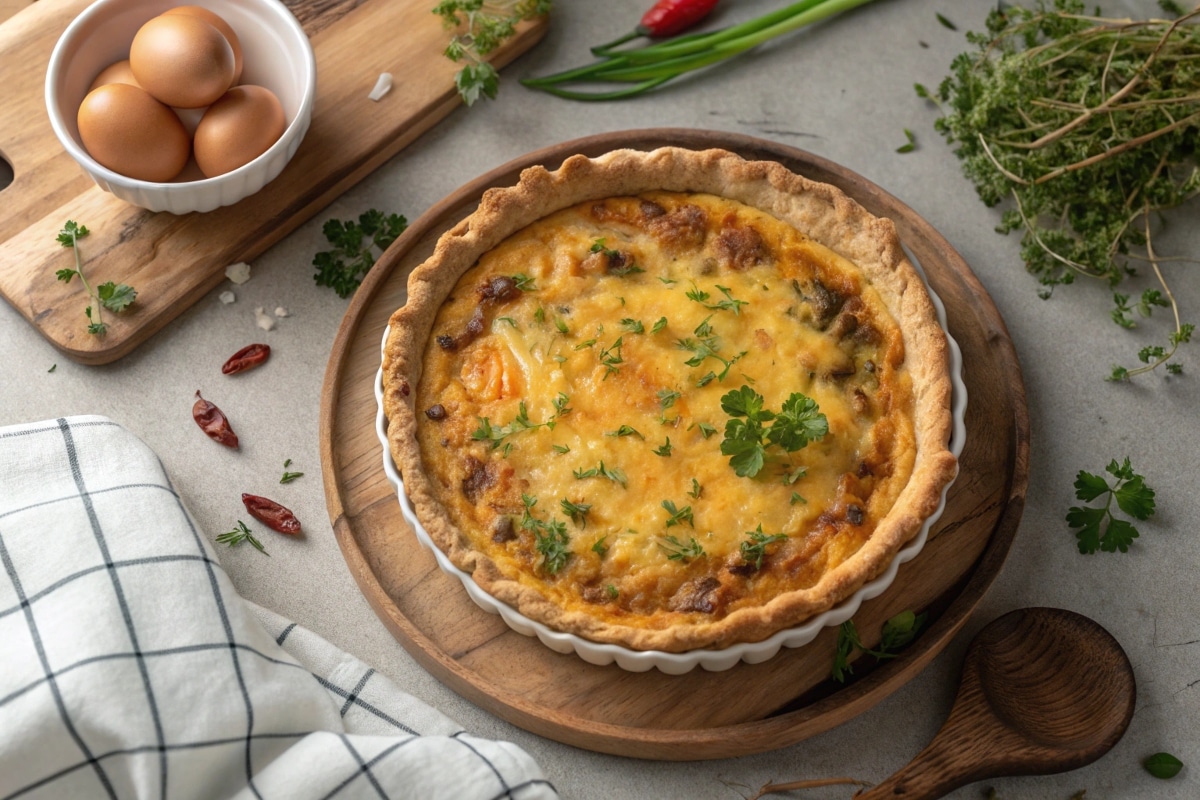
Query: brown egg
point(115, 73)
point(182, 60)
point(237, 129)
point(131, 133)
point(220, 24)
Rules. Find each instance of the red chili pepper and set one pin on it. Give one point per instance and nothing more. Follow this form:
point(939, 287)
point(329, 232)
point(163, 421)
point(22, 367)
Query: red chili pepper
point(271, 514)
point(669, 17)
point(213, 422)
point(665, 18)
point(248, 357)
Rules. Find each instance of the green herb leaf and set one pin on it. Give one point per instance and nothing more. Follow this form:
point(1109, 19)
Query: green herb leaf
point(1083, 179)
point(110, 295)
point(680, 551)
point(354, 244)
point(577, 512)
point(754, 549)
point(241, 534)
point(1133, 497)
point(747, 435)
point(1163, 766)
point(678, 516)
point(115, 296)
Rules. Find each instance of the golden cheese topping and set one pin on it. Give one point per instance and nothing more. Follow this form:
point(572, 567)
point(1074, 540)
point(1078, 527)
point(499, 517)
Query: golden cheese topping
point(665, 407)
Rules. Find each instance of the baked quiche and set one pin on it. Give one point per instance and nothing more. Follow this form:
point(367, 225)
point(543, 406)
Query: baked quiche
point(669, 400)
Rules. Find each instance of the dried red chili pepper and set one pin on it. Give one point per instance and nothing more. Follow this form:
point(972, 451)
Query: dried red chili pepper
point(271, 514)
point(665, 18)
point(213, 422)
point(248, 357)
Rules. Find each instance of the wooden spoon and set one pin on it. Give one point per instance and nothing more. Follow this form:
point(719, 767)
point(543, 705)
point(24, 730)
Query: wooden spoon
point(1043, 690)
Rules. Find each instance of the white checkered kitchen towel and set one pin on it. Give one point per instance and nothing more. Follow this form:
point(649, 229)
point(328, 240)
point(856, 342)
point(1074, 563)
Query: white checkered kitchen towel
point(130, 667)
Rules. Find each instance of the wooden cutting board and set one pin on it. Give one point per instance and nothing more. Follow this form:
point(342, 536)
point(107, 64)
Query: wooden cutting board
point(699, 715)
point(171, 260)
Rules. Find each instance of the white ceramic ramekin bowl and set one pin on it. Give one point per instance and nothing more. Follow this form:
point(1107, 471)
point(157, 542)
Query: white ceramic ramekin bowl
point(276, 53)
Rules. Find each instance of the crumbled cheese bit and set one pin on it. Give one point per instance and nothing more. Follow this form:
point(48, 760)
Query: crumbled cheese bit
point(282, 312)
point(263, 320)
point(239, 272)
point(382, 86)
point(227, 297)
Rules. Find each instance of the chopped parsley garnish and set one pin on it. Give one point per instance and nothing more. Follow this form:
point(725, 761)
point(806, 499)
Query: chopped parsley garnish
point(550, 537)
point(728, 304)
point(625, 430)
point(679, 551)
point(497, 434)
point(705, 345)
point(576, 511)
point(599, 548)
point(678, 515)
point(611, 358)
point(664, 449)
point(658, 326)
point(633, 325)
point(755, 546)
point(601, 471)
point(696, 489)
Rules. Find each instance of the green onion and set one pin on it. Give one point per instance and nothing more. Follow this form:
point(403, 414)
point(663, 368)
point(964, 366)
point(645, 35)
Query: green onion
point(653, 65)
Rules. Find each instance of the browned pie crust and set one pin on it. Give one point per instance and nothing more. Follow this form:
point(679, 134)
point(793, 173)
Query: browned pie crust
point(820, 212)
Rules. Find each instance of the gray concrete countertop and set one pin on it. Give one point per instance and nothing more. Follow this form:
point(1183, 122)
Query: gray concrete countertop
point(844, 91)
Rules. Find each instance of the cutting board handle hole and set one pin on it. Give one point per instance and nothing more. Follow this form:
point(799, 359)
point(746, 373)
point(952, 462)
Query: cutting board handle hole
point(6, 173)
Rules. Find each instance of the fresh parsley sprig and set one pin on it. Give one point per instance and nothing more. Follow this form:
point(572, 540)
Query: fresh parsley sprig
point(116, 297)
point(747, 433)
point(1133, 497)
point(484, 26)
point(344, 267)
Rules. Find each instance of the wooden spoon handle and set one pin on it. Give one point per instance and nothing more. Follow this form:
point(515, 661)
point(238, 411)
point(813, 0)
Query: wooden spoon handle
point(934, 773)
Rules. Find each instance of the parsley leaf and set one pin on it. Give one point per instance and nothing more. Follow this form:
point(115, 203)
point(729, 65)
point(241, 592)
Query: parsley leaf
point(747, 433)
point(485, 26)
point(113, 296)
point(344, 267)
point(1133, 497)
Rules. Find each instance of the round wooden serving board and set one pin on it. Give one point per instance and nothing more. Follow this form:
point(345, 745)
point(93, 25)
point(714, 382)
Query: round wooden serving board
point(699, 715)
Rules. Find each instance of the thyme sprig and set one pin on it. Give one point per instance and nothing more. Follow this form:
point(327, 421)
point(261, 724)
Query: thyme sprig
point(1089, 126)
